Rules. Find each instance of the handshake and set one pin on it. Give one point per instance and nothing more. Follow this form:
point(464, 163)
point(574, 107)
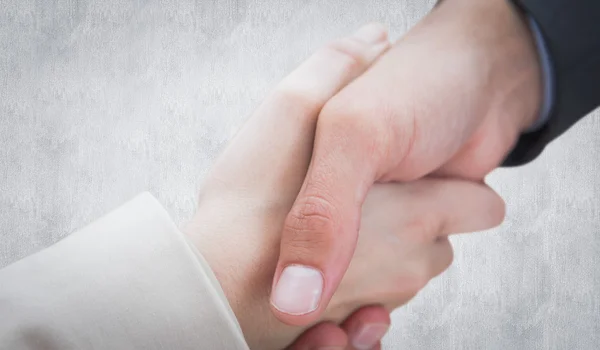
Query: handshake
point(330, 208)
point(334, 203)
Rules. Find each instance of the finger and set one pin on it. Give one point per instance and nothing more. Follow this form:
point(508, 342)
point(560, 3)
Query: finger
point(322, 336)
point(301, 246)
point(377, 346)
point(482, 152)
point(366, 327)
point(276, 142)
point(465, 206)
point(440, 256)
point(438, 207)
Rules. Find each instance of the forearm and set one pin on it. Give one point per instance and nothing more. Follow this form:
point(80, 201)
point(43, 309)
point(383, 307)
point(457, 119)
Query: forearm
point(495, 40)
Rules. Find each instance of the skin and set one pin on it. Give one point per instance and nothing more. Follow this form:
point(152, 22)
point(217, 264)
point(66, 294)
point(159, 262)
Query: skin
point(330, 336)
point(245, 199)
point(449, 99)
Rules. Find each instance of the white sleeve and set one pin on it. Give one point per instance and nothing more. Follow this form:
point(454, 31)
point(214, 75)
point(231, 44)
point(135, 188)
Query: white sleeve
point(128, 281)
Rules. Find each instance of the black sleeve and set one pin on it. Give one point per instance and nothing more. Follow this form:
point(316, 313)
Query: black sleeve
point(571, 31)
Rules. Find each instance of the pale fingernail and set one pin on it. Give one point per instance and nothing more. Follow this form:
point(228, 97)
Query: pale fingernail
point(371, 34)
point(368, 335)
point(298, 290)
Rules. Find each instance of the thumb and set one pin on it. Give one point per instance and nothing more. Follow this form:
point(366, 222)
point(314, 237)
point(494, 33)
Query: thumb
point(320, 232)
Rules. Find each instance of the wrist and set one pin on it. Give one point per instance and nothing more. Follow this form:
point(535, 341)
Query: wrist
point(517, 73)
point(244, 270)
point(523, 90)
point(505, 53)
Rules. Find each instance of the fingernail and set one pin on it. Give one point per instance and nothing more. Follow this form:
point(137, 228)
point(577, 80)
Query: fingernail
point(298, 290)
point(372, 34)
point(368, 335)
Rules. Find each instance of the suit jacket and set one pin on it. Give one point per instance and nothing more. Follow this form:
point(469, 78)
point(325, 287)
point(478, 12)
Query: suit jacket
point(571, 31)
point(128, 281)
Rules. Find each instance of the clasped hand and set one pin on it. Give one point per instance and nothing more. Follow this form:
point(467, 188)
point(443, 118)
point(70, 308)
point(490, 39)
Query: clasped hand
point(245, 199)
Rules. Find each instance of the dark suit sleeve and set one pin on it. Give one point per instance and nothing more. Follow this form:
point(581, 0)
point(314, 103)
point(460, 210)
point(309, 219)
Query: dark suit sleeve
point(571, 31)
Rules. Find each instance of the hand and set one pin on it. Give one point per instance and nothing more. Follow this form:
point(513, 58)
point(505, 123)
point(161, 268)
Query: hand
point(449, 99)
point(330, 336)
point(252, 186)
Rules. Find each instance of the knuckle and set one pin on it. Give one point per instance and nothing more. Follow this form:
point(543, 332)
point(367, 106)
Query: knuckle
point(446, 257)
point(362, 126)
point(422, 270)
point(424, 228)
point(310, 227)
point(416, 277)
point(349, 106)
point(293, 99)
point(487, 148)
point(348, 52)
point(415, 282)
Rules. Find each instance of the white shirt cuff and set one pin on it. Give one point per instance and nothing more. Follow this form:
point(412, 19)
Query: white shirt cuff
point(130, 280)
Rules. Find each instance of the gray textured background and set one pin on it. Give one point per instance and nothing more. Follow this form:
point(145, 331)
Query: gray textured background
point(102, 100)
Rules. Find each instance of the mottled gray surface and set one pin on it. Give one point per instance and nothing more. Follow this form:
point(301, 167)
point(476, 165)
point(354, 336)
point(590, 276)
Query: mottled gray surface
point(101, 100)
